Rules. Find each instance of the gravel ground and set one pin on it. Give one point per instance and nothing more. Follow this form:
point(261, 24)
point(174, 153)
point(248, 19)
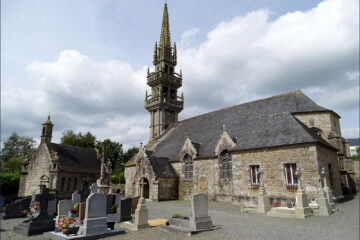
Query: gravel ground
point(343, 224)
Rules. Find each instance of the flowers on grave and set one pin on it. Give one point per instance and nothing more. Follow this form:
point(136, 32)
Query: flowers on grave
point(65, 223)
point(24, 212)
point(276, 204)
point(37, 206)
point(74, 211)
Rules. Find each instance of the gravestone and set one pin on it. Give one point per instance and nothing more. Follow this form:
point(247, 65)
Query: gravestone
point(43, 222)
point(200, 218)
point(134, 203)
point(328, 192)
point(324, 207)
point(125, 209)
point(110, 199)
point(263, 199)
point(141, 212)
point(302, 209)
point(64, 207)
point(94, 188)
point(52, 207)
point(115, 216)
point(95, 215)
point(82, 209)
point(14, 210)
point(76, 197)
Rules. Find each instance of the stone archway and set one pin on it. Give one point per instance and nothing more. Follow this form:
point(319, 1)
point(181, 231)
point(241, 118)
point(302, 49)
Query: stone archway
point(146, 188)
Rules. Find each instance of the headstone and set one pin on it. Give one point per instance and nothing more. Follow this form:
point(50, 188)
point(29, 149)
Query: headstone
point(134, 203)
point(141, 212)
point(110, 199)
point(76, 197)
point(125, 209)
point(328, 192)
point(302, 209)
point(14, 210)
point(94, 188)
point(199, 208)
point(43, 222)
point(52, 207)
point(95, 215)
point(115, 216)
point(64, 207)
point(82, 209)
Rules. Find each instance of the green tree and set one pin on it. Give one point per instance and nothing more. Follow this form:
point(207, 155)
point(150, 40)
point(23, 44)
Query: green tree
point(16, 149)
point(118, 172)
point(356, 157)
point(78, 139)
point(18, 146)
point(113, 151)
point(129, 154)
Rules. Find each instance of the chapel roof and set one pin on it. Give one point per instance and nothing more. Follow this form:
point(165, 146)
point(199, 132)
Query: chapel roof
point(162, 167)
point(263, 123)
point(76, 159)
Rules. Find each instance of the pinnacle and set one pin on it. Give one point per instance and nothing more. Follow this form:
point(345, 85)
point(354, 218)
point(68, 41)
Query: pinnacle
point(165, 40)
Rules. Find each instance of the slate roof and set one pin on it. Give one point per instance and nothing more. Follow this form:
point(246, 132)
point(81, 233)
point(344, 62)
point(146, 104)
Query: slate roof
point(354, 141)
point(162, 167)
point(259, 124)
point(77, 159)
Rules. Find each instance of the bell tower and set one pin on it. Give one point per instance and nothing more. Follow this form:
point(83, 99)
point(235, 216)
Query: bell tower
point(163, 103)
point(46, 133)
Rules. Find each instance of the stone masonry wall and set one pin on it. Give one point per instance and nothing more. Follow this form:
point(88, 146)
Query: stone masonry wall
point(168, 188)
point(129, 179)
point(38, 167)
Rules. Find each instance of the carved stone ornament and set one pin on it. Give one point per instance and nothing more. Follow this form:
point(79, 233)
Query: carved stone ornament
point(225, 143)
point(187, 148)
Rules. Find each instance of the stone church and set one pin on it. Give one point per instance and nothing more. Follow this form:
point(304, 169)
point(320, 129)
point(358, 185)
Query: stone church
point(61, 168)
point(221, 153)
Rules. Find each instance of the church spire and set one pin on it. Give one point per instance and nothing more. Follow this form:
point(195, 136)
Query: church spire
point(165, 41)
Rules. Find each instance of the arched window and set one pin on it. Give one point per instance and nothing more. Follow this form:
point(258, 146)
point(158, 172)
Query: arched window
point(226, 161)
point(317, 131)
point(75, 183)
point(189, 167)
point(62, 184)
point(68, 184)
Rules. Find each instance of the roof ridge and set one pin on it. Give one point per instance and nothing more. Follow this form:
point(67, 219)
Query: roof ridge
point(241, 104)
point(71, 146)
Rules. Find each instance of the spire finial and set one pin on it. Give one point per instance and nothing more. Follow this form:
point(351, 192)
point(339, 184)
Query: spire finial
point(165, 40)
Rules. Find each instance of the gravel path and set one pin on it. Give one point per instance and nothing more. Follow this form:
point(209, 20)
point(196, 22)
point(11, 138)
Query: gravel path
point(343, 224)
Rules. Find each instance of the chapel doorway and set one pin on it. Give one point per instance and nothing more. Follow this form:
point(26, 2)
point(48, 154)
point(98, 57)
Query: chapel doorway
point(146, 192)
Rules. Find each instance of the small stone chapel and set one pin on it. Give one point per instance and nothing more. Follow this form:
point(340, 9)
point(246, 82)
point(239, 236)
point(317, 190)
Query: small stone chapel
point(220, 153)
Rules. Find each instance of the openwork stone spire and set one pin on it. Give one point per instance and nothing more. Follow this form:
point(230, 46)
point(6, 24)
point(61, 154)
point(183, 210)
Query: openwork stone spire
point(165, 41)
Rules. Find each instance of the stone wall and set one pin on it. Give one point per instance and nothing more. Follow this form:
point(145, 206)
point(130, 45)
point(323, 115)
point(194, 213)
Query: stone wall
point(168, 188)
point(129, 179)
point(38, 166)
point(309, 158)
point(357, 174)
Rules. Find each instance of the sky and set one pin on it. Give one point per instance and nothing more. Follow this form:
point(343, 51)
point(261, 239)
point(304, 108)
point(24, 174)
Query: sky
point(85, 61)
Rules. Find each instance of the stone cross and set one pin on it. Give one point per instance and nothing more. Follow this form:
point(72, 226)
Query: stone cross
point(224, 127)
point(142, 183)
point(324, 176)
point(43, 198)
point(94, 188)
point(298, 176)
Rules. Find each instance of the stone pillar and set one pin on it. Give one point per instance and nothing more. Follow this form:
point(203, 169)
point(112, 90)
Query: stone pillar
point(324, 208)
point(302, 209)
point(141, 212)
point(263, 199)
point(327, 191)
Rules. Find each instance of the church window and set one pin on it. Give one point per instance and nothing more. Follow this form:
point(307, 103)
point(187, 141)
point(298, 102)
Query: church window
point(317, 131)
point(171, 70)
point(68, 184)
point(165, 90)
point(189, 167)
point(254, 176)
point(54, 165)
point(226, 160)
point(62, 185)
point(43, 131)
point(166, 68)
point(290, 177)
point(172, 93)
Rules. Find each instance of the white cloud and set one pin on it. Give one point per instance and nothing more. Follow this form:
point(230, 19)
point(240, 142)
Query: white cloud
point(350, 132)
point(244, 59)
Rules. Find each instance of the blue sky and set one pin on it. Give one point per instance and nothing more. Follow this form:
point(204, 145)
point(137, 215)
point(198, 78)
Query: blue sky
point(85, 61)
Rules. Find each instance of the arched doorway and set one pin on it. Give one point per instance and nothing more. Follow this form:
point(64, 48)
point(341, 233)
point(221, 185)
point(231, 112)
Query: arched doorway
point(146, 192)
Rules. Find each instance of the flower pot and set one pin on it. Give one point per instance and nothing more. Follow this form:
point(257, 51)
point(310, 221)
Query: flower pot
point(65, 230)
